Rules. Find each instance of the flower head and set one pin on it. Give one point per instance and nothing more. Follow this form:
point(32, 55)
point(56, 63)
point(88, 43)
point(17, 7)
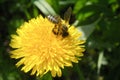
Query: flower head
point(39, 50)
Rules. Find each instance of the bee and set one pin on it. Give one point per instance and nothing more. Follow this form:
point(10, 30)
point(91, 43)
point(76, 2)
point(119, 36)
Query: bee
point(60, 28)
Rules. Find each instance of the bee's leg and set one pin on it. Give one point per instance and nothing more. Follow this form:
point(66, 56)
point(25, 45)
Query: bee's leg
point(59, 31)
point(55, 30)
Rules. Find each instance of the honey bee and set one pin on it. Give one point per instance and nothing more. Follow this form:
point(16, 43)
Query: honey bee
point(60, 28)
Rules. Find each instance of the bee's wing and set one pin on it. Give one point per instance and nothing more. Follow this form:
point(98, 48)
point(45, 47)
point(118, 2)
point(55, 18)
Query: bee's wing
point(57, 17)
point(67, 15)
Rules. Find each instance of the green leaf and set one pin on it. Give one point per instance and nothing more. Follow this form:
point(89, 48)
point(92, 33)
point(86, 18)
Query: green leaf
point(47, 76)
point(35, 12)
point(79, 5)
point(88, 14)
point(84, 29)
point(54, 4)
point(44, 7)
point(101, 61)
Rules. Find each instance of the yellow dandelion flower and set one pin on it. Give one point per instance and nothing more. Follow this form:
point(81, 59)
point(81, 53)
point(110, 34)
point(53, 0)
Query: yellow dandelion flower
point(39, 50)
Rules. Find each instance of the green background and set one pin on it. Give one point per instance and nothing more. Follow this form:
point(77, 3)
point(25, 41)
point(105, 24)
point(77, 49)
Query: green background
point(99, 20)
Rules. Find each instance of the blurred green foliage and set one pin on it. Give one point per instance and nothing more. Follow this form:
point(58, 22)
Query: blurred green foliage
point(101, 59)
